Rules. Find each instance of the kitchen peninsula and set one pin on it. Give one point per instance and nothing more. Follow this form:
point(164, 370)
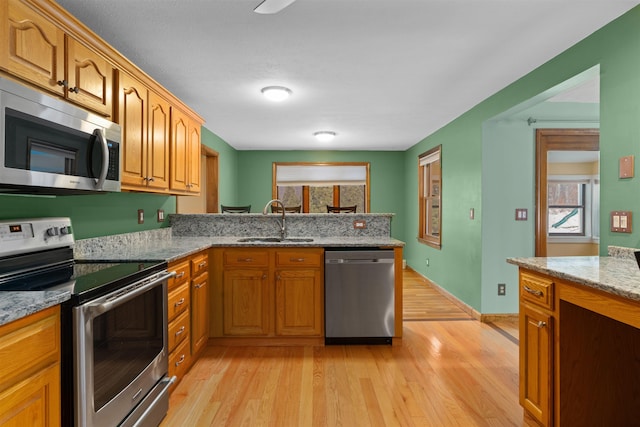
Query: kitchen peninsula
point(580, 339)
point(220, 233)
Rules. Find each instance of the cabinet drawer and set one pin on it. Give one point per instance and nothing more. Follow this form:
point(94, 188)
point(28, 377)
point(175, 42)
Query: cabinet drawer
point(537, 289)
point(299, 258)
point(178, 330)
point(28, 344)
point(179, 360)
point(182, 270)
point(178, 300)
point(246, 258)
point(199, 264)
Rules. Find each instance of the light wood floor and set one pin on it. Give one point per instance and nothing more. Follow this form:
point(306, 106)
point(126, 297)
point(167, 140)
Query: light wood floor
point(447, 372)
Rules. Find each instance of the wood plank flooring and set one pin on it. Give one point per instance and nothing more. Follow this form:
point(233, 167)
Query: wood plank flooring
point(446, 373)
point(421, 301)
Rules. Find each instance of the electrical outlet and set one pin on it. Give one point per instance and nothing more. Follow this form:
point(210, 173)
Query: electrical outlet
point(160, 215)
point(140, 216)
point(426, 261)
point(502, 289)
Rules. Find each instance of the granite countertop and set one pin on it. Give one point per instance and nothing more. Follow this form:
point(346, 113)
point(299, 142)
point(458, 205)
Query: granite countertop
point(174, 248)
point(15, 305)
point(616, 275)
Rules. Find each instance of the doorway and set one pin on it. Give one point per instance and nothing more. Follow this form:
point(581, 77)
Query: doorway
point(567, 192)
point(207, 201)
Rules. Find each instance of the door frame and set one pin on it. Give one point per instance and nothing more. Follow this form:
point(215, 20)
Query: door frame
point(555, 140)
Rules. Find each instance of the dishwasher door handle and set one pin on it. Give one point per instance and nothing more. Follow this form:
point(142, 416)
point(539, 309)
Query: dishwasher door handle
point(360, 261)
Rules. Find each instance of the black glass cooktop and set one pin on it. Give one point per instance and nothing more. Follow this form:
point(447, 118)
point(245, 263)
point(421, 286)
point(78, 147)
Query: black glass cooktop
point(84, 280)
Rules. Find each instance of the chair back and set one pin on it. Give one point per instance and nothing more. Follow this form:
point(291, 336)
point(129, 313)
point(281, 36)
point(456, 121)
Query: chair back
point(342, 209)
point(288, 209)
point(235, 209)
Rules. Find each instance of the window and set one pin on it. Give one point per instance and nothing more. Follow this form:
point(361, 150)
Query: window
point(573, 207)
point(430, 197)
point(316, 185)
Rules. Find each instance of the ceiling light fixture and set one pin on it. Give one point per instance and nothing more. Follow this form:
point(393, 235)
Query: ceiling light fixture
point(324, 135)
point(276, 93)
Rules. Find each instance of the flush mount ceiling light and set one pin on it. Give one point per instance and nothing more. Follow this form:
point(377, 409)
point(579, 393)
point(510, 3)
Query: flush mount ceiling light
point(276, 93)
point(324, 135)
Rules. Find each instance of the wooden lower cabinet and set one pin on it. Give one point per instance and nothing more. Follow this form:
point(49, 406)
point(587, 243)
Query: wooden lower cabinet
point(30, 370)
point(536, 362)
point(536, 345)
point(269, 292)
point(246, 302)
point(188, 312)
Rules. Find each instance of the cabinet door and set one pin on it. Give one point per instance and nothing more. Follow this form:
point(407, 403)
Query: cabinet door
point(245, 303)
point(194, 156)
point(32, 47)
point(90, 78)
point(536, 351)
point(158, 142)
point(299, 302)
point(133, 120)
point(179, 150)
point(199, 313)
point(34, 401)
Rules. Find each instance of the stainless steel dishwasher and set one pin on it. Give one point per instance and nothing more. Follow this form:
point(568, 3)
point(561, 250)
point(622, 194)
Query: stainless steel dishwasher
point(359, 296)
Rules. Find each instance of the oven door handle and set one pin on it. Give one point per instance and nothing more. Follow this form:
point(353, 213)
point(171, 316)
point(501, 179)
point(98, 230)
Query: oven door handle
point(108, 302)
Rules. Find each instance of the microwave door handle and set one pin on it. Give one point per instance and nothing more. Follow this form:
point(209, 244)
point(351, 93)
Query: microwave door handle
point(105, 158)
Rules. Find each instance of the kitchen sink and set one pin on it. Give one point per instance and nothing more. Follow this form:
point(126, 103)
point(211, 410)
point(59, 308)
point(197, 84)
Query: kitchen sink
point(275, 239)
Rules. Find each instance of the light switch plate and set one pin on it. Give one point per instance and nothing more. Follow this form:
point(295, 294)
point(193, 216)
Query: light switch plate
point(621, 221)
point(521, 214)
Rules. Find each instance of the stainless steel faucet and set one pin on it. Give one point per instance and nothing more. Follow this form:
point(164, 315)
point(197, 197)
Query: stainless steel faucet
point(283, 224)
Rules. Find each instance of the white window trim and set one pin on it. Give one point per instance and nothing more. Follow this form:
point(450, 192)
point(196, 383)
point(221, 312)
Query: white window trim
point(590, 223)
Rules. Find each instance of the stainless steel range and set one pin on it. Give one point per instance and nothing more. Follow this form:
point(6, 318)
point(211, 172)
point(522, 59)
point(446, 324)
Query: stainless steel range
point(114, 327)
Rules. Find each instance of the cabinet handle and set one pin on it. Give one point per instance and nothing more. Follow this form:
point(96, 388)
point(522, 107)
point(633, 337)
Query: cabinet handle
point(180, 331)
point(63, 83)
point(74, 90)
point(533, 291)
point(264, 276)
point(180, 275)
point(278, 277)
point(296, 259)
point(202, 264)
point(179, 302)
point(541, 324)
point(180, 360)
point(199, 285)
point(151, 179)
point(245, 259)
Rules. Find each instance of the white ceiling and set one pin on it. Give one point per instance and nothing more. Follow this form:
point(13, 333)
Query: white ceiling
point(382, 74)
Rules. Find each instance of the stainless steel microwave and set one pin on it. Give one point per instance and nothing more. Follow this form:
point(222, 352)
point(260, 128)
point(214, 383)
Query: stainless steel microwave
point(49, 146)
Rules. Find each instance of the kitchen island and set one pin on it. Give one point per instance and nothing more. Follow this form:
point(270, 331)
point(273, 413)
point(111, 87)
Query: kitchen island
point(580, 339)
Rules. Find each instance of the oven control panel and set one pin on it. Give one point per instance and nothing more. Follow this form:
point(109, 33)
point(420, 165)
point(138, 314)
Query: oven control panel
point(28, 235)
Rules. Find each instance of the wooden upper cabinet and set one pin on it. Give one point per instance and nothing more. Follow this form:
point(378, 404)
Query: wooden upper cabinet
point(179, 146)
point(32, 46)
point(145, 120)
point(158, 142)
point(185, 153)
point(193, 157)
point(89, 78)
point(39, 52)
point(132, 116)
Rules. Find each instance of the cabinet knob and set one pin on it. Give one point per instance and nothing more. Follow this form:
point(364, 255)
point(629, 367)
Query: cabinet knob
point(74, 90)
point(541, 324)
point(264, 276)
point(63, 83)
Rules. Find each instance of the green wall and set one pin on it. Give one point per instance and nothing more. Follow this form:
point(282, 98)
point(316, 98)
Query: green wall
point(387, 177)
point(227, 167)
point(115, 213)
point(468, 159)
